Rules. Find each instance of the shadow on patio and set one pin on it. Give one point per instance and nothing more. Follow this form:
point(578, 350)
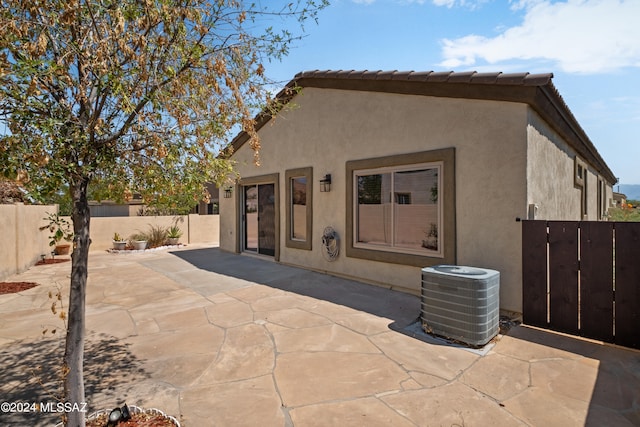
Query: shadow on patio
point(32, 373)
point(566, 370)
point(572, 369)
point(400, 307)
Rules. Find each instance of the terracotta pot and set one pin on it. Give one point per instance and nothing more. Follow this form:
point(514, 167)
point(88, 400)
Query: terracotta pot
point(133, 410)
point(62, 249)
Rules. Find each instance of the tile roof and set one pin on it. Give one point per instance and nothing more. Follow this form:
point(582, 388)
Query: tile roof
point(536, 90)
point(525, 79)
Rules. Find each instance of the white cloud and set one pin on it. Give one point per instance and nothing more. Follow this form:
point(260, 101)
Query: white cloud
point(579, 36)
point(447, 3)
point(524, 4)
point(472, 4)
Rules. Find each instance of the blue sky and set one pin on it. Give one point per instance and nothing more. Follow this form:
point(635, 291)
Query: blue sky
point(591, 46)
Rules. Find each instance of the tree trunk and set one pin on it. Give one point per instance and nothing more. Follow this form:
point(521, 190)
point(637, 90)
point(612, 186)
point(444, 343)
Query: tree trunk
point(74, 348)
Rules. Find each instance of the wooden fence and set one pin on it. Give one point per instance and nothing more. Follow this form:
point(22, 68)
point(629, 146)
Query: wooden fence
point(583, 278)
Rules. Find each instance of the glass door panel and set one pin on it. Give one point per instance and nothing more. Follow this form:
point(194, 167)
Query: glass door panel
point(250, 216)
point(259, 219)
point(266, 220)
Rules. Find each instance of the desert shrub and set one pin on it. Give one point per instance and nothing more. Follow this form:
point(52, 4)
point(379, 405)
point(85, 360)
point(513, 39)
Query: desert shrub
point(625, 213)
point(174, 232)
point(156, 236)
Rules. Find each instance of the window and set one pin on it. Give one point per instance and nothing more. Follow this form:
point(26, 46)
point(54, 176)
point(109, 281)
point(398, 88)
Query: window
point(299, 198)
point(403, 198)
point(401, 208)
point(299, 208)
point(408, 222)
point(580, 169)
point(580, 181)
point(602, 199)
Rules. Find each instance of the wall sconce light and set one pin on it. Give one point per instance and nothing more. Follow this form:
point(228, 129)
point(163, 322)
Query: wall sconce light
point(228, 192)
point(325, 183)
point(118, 415)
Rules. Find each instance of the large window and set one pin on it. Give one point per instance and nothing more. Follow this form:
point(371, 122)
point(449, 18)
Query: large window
point(401, 208)
point(398, 209)
point(299, 214)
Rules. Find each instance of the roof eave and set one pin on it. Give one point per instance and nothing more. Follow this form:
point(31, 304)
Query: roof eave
point(563, 120)
point(536, 90)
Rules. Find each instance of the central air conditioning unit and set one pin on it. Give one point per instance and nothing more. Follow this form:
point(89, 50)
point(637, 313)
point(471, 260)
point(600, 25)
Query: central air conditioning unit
point(461, 303)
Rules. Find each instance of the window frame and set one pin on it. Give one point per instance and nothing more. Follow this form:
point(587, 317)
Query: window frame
point(446, 157)
point(274, 179)
point(602, 199)
point(290, 175)
point(581, 171)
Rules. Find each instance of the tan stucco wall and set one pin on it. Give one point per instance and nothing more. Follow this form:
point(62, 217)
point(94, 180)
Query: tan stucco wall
point(23, 241)
point(506, 158)
point(550, 176)
point(195, 228)
point(204, 228)
point(551, 158)
point(326, 128)
point(228, 222)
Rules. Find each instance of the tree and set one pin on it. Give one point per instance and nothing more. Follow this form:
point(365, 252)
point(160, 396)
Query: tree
point(138, 95)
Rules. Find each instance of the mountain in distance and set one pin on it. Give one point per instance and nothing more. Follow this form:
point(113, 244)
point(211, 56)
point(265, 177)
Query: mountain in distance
point(632, 191)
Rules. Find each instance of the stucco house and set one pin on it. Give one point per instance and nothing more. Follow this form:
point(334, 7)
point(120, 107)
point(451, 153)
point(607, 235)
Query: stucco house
point(425, 168)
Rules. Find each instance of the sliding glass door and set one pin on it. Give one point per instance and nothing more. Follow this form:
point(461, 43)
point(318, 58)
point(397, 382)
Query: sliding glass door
point(259, 219)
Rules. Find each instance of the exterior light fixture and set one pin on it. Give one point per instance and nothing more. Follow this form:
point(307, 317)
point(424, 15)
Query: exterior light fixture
point(118, 415)
point(325, 183)
point(228, 192)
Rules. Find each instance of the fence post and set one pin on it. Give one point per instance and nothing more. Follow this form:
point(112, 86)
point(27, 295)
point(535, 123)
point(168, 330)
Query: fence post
point(627, 235)
point(534, 273)
point(596, 280)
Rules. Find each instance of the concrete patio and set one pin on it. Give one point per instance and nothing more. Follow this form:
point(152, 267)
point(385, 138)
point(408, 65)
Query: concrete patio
point(218, 339)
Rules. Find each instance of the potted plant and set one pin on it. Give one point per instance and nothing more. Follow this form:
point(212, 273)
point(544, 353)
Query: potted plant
point(60, 230)
point(119, 244)
point(173, 235)
point(130, 416)
point(139, 241)
point(431, 241)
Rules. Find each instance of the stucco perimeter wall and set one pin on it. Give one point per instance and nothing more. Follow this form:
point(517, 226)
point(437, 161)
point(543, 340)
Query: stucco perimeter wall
point(556, 196)
point(23, 242)
point(195, 228)
point(327, 127)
